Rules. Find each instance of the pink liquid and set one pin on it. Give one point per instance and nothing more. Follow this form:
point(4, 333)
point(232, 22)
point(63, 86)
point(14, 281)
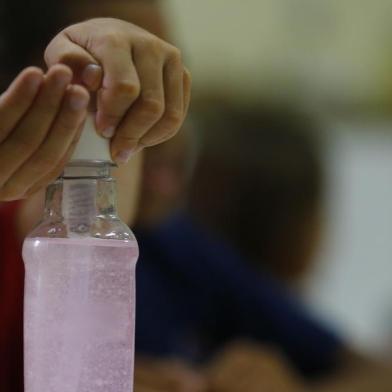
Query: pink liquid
point(79, 315)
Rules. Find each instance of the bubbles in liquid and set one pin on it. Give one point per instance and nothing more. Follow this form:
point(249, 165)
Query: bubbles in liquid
point(79, 315)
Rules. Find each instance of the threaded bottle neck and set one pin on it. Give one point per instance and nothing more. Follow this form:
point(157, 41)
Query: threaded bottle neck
point(81, 197)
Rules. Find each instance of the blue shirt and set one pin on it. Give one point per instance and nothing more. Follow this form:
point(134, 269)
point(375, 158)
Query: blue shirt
point(195, 294)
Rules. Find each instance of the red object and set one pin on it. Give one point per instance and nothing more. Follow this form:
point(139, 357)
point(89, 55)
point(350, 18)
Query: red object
point(11, 301)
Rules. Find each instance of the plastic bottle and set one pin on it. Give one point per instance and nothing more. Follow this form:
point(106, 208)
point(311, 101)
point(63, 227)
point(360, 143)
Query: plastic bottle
point(80, 282)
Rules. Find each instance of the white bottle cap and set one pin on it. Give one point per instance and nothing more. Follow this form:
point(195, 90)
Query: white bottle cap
point(91, 146)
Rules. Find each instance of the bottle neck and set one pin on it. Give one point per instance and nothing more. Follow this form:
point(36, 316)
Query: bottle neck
point(83, 195)
point(87, 170)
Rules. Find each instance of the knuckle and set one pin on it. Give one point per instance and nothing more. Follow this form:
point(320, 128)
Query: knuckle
point(173, 118)
point(152, 107)
point(175, 55)
point(154, 45)
point(126, 89)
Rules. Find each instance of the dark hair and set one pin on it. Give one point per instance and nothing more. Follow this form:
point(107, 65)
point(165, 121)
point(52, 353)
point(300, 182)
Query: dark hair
point(27, 26)
point(258, 177)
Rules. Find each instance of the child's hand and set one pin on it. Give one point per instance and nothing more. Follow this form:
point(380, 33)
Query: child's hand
point(40, 119)
point(143, 86)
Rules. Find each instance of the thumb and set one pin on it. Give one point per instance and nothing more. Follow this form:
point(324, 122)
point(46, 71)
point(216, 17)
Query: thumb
point(86, 69)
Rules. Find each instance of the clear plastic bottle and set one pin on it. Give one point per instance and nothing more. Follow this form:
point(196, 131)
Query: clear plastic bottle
point(80, 288)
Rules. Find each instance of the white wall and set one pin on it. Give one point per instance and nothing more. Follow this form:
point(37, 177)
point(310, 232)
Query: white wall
point(352, 285)
point(338, 48)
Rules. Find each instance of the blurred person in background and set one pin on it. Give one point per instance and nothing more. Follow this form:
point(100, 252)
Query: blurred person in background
point(262, 190)
point(217, 279)
point(163, 79)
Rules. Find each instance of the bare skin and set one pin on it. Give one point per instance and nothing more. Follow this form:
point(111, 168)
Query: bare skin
point(40, 120)
point(143, 92)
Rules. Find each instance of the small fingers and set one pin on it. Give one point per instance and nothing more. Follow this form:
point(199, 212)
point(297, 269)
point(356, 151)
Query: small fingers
point(63, 50)
point(42, 113)
point(169, 124)
point(55, 146)
point(120, 87)
point(146, 111)
point(15, 102)
point(85, 69)
point(28, 135)
point(56, 171)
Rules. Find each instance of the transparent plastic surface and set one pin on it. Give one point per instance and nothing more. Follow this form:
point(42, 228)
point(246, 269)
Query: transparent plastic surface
point(80, 292)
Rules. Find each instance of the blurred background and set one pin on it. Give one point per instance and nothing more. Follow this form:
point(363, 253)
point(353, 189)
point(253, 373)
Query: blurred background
point(333, 58)
point(279, 188)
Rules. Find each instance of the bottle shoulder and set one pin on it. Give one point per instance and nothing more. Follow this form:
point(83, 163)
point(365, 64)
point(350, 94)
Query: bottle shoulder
point(106, 229)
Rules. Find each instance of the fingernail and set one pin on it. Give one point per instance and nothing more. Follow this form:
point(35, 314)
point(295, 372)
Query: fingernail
point(123, 156)
point(78, 102)
point(108, 132)
point(91, 76)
